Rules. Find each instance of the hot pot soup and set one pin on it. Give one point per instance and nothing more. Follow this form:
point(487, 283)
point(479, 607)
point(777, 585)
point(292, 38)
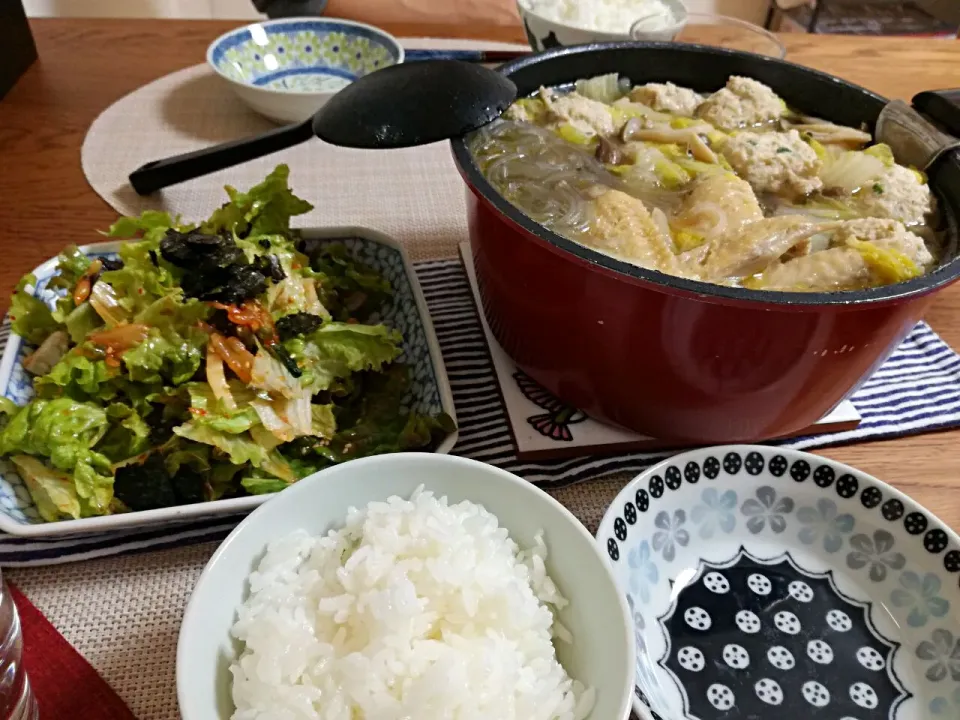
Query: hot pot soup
point(733, 188)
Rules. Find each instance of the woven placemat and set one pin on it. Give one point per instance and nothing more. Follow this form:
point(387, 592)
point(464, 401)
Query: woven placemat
point(414, 194)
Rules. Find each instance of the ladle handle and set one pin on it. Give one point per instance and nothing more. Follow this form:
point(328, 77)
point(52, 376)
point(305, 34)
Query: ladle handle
point(172, 170)
point(943, 106)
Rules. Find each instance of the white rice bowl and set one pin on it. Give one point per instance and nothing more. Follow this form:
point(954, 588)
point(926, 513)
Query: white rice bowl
point(609, 16)
point(415, 609)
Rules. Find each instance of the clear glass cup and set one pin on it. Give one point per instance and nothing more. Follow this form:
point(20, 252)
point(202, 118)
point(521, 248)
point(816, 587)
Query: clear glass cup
point(723, 31)
point(16, 697)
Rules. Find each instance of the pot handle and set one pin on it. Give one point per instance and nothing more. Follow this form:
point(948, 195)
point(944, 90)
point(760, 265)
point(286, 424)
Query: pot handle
point(941, 106)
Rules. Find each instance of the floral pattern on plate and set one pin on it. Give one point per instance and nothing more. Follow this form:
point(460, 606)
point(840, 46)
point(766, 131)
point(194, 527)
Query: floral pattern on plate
point(672, 529)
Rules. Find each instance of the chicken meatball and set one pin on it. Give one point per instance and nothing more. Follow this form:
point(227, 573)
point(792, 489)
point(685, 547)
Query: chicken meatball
point(667, 97)
point(742, 103)
point(898, 194)
point(779, 163)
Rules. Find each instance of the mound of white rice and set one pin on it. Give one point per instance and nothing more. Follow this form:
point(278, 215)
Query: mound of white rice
point(611, 16)
point(415, 610)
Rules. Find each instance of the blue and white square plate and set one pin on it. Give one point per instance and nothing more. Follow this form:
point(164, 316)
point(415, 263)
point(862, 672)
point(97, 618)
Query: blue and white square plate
point(768, 582)
point(406, 311)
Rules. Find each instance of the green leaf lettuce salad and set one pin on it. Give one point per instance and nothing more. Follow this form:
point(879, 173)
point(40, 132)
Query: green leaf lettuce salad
point(209, 361)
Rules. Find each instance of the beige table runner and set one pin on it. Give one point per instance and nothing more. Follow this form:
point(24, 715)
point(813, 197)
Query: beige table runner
point(123, 614)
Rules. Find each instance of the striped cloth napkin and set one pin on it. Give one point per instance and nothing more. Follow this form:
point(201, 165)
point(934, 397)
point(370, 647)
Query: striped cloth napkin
point(916, 390)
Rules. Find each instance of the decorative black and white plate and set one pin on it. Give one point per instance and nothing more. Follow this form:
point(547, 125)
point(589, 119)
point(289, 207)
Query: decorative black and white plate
point(765, 581)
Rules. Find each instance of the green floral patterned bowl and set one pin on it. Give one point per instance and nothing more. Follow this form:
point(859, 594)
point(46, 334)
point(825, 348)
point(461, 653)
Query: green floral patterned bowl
point(286, 69)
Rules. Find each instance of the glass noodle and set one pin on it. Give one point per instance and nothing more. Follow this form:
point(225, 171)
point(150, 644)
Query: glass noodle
point(553, 181)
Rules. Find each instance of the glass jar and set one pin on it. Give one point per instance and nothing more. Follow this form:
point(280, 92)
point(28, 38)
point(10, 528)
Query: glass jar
point(16, 697)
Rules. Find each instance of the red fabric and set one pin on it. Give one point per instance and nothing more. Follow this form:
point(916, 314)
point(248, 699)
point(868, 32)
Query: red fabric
point(65, 685)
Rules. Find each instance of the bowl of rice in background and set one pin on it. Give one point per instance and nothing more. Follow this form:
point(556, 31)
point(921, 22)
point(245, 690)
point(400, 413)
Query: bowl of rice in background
point(561, 23)
point(407, 585)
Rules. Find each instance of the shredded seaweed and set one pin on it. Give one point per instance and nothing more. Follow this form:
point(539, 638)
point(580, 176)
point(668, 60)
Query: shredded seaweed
point(215, 268)
point(300, 323)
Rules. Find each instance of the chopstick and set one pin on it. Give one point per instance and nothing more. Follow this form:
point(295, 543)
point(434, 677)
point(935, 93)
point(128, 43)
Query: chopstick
point(477, 56)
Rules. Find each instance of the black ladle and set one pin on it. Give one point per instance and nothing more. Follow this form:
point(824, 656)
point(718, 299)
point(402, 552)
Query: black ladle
point(401, 106)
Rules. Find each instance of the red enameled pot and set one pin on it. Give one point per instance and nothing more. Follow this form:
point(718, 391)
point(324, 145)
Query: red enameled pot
point(672, 358)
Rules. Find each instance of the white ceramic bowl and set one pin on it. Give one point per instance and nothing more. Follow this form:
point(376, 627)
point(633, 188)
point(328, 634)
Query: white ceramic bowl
point(544, 34)
point(602, 655)
point(287, 69)
point(767, 582)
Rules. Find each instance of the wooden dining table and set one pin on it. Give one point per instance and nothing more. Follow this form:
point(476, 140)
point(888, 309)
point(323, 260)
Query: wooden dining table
point(46, 203)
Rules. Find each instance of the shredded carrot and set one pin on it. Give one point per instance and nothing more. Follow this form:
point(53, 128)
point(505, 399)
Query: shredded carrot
point(235, 354)
point(254, 316)
point(120, 338)
point(251, 314)
point(82, 290)
point(117, 340)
